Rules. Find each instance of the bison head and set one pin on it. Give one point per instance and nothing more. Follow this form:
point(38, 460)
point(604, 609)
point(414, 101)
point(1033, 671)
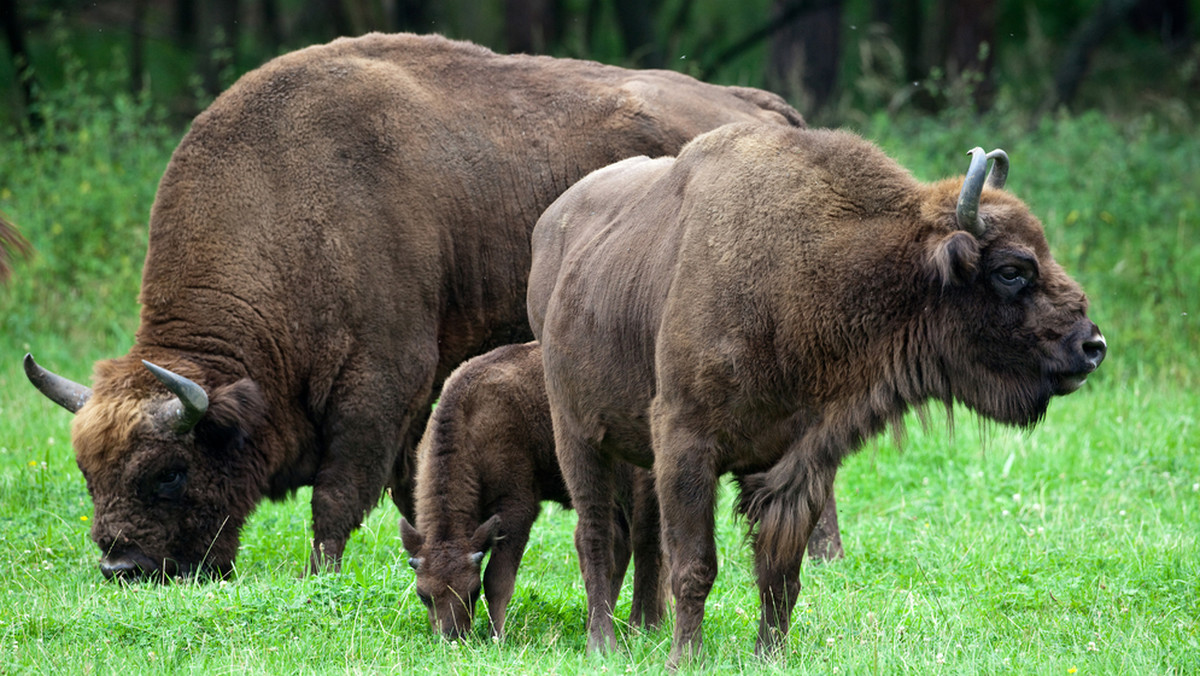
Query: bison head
point(448, 574)
point(171, 468)
point(1011, 325)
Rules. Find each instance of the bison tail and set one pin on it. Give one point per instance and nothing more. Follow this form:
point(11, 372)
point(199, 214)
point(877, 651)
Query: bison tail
point(782, 506)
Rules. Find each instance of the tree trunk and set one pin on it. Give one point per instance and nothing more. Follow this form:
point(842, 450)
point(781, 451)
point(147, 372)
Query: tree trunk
point(530, 26)
point(635, 19)
point(805, 55)
point(904, 19)
point(14, 32)
point(272, 25)
point(412, 15)
point(218, 28)
point(972, 46)
point(1070, 73)
point(137, 48)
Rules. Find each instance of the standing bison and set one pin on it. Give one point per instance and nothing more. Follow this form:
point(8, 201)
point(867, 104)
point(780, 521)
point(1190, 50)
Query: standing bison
point(331, 238)
point(761, 306)
point(484, 465)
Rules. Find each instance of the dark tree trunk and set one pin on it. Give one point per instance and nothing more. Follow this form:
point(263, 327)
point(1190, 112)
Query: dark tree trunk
point(904, 19)
point(591, 22)
point(635, 19)
point(186, 23)
point(1077, 56)
point(972, 45)
point(14, 32)
point(530, 26)
point(412, 15)
point(961, 40)
point(805, 55)
point(364, 16)
point(137, 48)
point(217, 24)
point(272, 25)
point(1170, 20)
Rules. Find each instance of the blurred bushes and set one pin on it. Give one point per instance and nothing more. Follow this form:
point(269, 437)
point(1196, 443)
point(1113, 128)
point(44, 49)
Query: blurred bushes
point(1119, 197)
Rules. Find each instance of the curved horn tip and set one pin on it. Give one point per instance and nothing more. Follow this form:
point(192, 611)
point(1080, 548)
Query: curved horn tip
point(192, 396)
point(66, 393)
point(999, 173)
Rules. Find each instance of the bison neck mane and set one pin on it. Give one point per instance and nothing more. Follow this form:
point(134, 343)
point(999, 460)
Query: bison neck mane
point(449, 492)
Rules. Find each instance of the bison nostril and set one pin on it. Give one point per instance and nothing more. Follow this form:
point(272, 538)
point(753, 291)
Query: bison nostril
point(120, 569)
point(1094, 349)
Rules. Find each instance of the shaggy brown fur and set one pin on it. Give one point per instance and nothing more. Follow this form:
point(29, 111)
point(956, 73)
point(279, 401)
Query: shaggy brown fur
point(761, 306)
point(338, 231)
point(11, 242)
point(484, 465)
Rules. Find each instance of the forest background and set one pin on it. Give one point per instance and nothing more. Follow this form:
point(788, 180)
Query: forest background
point(832, 58)
point(1069, 548)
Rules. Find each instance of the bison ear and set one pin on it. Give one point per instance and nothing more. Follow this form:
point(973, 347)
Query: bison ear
point(411, 537)
point(953, 259)
point(486, 535)
point(235, 412)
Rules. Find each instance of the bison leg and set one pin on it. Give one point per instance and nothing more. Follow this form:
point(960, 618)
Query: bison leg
point(589, 479)
point(825, 543)
point(647, 609)
point(686, 481)
point(363, 430)
point(499, 580)
point(622, 550)
point(786, 522)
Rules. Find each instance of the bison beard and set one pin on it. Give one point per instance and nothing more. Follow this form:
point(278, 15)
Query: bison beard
point(340, 229)
point(760, 306)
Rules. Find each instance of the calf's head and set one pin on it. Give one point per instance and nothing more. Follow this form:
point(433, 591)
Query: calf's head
point(448, 574)
point(1008, 325)
point(172, 469)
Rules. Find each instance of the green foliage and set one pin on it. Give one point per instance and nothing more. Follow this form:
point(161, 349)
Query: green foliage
point(1066, 549)
point(80, 189)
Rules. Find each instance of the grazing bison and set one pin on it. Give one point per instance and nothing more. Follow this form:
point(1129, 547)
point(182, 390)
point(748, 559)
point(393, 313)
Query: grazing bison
point(763, 304)
point(484, 466)
point(337, 232)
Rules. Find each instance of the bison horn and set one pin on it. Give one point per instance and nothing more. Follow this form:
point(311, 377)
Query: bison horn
point(192, 398)
point(968, 200)
point(66, 393)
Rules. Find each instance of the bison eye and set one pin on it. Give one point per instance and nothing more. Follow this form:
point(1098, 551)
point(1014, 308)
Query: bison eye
point(1010, 279)
point(170, 482)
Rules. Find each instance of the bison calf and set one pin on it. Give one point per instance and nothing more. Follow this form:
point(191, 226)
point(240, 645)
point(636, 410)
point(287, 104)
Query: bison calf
point(485, 464)
point(763, 304)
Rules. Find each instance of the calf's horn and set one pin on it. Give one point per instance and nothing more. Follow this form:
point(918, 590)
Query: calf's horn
point(967, 212)
point(66, 393)
point(192, 398)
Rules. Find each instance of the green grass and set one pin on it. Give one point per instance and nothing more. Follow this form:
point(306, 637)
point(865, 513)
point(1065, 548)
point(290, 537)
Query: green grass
point(1071, 548)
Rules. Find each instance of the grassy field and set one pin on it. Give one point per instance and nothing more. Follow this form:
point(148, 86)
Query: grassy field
point(1068, 549)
